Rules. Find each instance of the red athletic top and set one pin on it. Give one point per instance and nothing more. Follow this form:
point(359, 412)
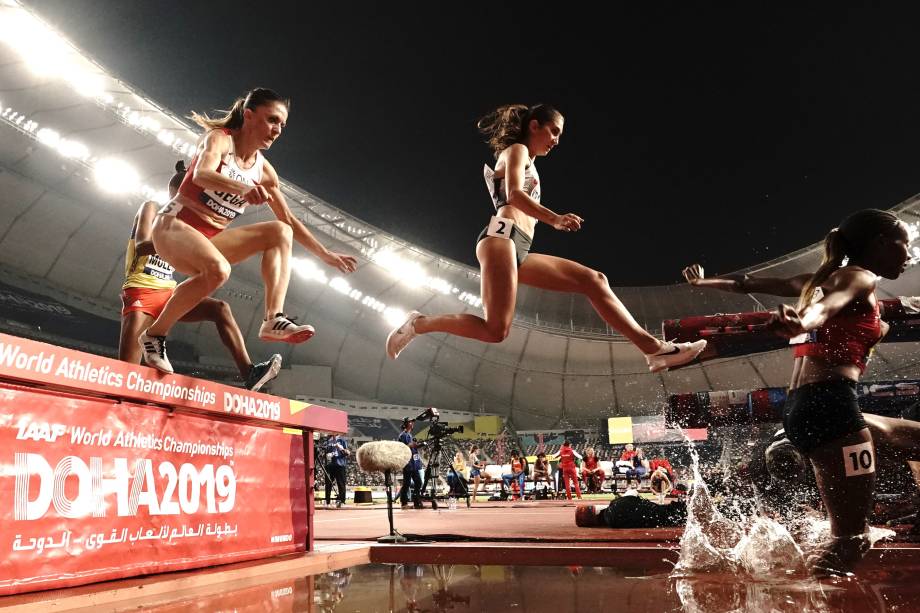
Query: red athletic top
point(846, 338)
point(566, 458)
point(218, 208)
point(627, 456)
point(590, 463)
point(660, 463)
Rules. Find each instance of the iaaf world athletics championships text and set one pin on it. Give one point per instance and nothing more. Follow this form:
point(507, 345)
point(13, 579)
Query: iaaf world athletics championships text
point(12, 356)
point(42, 431)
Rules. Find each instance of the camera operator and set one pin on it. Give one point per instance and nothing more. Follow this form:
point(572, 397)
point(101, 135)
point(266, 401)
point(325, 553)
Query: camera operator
point(335, 454)
point(410, 470)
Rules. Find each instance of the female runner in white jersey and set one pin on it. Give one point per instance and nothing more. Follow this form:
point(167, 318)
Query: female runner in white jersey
point(517, 135)
point(228, 173)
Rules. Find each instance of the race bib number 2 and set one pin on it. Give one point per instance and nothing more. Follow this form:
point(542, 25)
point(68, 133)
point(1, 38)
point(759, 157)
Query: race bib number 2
point(500, 227)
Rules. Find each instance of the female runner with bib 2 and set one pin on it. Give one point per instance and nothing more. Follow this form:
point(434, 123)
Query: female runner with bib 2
point(517, 135)
point(228, 173)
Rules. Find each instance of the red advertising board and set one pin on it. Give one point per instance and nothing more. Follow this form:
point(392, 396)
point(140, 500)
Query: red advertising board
point(93, 489)
point(33, 362)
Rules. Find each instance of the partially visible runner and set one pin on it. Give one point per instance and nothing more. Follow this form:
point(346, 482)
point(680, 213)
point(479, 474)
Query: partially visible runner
point(839, 311)
point(148, 285)
point(517, 135)
point(228, 173)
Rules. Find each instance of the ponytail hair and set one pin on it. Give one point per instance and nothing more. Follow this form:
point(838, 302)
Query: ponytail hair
point(233, 118)
point(850, 240)
point(507, 124)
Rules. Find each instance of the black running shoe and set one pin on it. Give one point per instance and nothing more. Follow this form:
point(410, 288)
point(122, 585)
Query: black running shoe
point(263, 372)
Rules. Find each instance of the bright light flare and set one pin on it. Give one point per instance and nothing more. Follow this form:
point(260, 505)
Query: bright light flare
point(116, 176)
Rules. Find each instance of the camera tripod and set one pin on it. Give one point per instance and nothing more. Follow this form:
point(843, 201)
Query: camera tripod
point(319, 460)
point(433, 469)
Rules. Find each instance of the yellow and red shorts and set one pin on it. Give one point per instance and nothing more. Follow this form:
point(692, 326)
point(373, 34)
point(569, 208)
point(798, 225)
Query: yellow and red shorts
point(145, 300)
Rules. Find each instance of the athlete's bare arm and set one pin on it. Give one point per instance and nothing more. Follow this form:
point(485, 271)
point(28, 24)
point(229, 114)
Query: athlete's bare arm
point(516, 158)
point(143, 245)
point(744, 284)
point(216, 145)
point(277, 203)
point(842, 287)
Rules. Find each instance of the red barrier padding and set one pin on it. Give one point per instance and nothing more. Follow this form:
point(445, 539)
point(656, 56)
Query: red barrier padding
point(92, 490)
point(41, 364)
point(735, 334)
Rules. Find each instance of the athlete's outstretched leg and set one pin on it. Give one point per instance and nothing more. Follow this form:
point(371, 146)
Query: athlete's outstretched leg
point(499, 292)
point(561, 275)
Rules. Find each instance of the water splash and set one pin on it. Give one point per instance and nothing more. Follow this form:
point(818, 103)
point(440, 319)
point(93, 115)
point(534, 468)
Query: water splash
point(754, 545)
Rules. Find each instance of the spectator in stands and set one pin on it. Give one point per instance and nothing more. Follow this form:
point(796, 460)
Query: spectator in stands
point(542, 471)
point(639, 468)
point(411, 469)
point(477, 471)
point(457, 484)
point(335, 454)
point(518, 474)
point(592, 473)
point(227, 173)
point(662, 463)
point(568, 469)
point(148, 285)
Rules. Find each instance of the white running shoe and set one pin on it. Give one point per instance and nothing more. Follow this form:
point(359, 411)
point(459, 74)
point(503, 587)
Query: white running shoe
point(674, 354)
point(153, 349)
point(402, 336)
point(283, 330)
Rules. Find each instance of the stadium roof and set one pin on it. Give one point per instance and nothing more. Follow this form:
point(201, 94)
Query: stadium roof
point(81, 149)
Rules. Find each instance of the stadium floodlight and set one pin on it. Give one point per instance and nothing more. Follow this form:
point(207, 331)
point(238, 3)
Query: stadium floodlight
point(116, 176)
point(87, 84)
point(308, 269)
point(49, 137)
point(340, 285)
point(73, 149)
point(166, 137)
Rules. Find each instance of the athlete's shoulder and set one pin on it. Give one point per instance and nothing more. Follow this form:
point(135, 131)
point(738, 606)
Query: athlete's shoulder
point(856, 277)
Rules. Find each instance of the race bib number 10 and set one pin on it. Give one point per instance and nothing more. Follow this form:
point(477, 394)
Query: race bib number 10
point(500, 227)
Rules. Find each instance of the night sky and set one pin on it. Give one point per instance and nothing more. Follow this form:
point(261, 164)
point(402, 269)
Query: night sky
point(727, 135)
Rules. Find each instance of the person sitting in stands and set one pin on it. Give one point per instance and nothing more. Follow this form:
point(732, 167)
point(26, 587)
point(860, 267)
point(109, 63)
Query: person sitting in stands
point(592, 473)
point(663, 463)
point(517, 475)
point(457, 483)
point(542, 471)
point(640, 468)
point(625, 464)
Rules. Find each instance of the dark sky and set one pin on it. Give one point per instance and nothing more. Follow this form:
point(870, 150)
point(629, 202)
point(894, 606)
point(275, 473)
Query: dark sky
point(728, 135)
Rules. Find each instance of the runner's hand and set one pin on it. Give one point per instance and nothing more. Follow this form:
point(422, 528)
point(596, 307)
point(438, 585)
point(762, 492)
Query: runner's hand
point(341, 262)
point(570, 222)
point(257, 195)
point(694, 273)
point(786, 322)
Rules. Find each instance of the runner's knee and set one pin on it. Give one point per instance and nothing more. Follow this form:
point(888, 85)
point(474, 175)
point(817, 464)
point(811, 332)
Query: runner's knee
point(497, 332)
point(216, 272)
point(595, 282)
point(223, 311)
point(284, 233)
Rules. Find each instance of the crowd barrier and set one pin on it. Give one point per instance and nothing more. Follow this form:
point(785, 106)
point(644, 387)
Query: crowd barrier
point(113, 470)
